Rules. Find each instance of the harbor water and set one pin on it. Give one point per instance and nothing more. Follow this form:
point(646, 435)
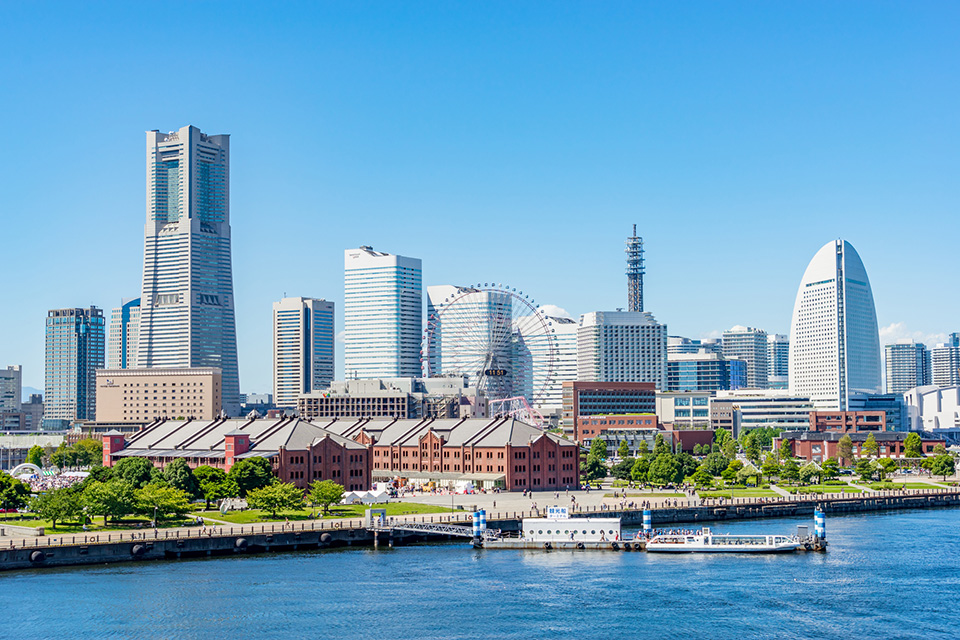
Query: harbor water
point(891, 575)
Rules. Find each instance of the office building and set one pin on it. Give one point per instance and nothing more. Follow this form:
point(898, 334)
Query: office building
point(750, 345)
point(907, 366)
point(75, 344)
point(448, 397)
point(945, 363)
point(704, 371)
point(143, 395)
point(563, 369)
point(584, 399)
point(11, 384)
point(778, 361)
point(303, 341)
point(186, 305)
point(32, 411)
point(684, 410)
point(747, 409)
point(382, 311)
point(122, 338)
point(622, 346)
point(677, 345)
point(834, 340)
point(817, 446)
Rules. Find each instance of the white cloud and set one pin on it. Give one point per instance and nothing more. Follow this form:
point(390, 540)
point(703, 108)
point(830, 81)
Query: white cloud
point(899, 331)
point(555, 311)
point(340, 336)
point(711, 335)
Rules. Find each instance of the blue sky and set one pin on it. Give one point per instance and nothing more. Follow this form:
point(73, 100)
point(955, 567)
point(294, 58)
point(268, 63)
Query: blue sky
point(514, 142)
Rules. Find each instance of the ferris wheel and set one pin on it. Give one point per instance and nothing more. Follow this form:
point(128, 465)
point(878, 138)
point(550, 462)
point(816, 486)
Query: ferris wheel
point(495, 336)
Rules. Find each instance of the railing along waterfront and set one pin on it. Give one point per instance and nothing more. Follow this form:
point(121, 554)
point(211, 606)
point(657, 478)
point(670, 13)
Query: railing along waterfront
point(219, 531)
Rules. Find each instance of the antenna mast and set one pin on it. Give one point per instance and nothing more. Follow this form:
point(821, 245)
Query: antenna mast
point(635, 271)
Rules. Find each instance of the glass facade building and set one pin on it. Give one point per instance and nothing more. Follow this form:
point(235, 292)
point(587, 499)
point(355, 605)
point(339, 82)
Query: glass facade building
point(187, 308)
point(907, 366)
point(303, 341)
point(75, 345)
point(705, 372)
point(122, 339)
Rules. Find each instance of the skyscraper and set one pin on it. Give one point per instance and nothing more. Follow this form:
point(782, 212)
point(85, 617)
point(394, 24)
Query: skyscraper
point(382, 314)
point(907, 366)
point(778, 361)
point(945, 363)
point(74, 351)
point(622, 346)
point(750, 345)
point(11, 381)
point(302, 348)
point(122, 339)
point(834, 340)
point(187, 307)
point(635, 272)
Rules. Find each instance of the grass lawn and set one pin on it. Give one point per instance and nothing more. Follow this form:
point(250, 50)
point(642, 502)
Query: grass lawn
point(76, 527)
point(885, 486)
point(251, 516)
point(824, 488)
point(739, 493)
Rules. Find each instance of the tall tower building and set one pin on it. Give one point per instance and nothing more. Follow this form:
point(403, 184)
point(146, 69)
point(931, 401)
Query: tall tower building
point(834, 340)
point(907, 366)
point(750, 345)
point(122, 339)
point(635, 271)
point(945, 363)
point(382, 314)
point(778, 361)
point(187, 308)
point(74, 351)
point(622, 346)
point(302, 348)
point(11, 388)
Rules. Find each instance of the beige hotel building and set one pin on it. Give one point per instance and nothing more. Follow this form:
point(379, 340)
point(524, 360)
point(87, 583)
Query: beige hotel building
point(142, 395)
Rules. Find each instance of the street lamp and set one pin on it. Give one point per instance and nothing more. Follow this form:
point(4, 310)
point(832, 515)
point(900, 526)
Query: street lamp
point(155, 507)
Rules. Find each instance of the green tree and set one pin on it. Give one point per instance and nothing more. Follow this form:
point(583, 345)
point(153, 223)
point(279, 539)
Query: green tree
point(939, 449)
point(598, 449)
point(593, 468)
point(99, 474)
point(63, 457)
point(790, 470)
point(714, 447)
point(56, 505)
point(623, 451)
point(721, 437)
point(88, 453)
point(913, 446)
point(13, 493)
point(137, 472)
point(728, 475)
point(179, 476)
point(702, 477)
point(279, 496)
point(35, 455)
point(770, 466)
point(735, 466)
point(786, 450)
point(688, 464)
point(621, 470)
point(753, 448)
point(643, 448)
point(697, 450)
point(943, 465)
point(162, 501)
point(214, 484)
point(664, 470)
point(885, 466)
point(830, 469)
point(113, 499)
point(251, 473)
point(808, 472)
point(660, 446)
point(845, 450)
point(870, 448)
point(324, 493)
point(747, 473)
point(729, 449)
point(715, 463)
point(639, 471)
point(865, 469)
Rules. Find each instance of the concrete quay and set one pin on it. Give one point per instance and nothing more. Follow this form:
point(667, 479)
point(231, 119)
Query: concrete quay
point(100, 548)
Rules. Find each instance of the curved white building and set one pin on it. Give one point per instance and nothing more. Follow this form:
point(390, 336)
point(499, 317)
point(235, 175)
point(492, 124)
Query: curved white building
point(834, 340)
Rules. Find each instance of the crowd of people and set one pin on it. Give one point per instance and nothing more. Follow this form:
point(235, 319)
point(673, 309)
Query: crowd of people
point(40, 483)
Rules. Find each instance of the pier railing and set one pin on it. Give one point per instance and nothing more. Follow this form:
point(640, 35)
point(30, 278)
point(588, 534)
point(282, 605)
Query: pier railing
point(57, 540)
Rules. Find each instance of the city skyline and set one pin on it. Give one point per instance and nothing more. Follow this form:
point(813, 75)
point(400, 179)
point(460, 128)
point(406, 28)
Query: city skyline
point(542, 176)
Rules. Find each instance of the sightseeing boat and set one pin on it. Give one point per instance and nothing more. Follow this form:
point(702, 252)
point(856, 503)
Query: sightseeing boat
point(705, 541)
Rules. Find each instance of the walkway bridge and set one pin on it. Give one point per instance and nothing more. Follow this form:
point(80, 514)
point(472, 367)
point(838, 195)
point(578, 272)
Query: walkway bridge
point(424, 527)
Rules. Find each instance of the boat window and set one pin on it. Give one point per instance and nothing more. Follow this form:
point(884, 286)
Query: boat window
point(584, 531)
point(540, 532)
point(593, 531)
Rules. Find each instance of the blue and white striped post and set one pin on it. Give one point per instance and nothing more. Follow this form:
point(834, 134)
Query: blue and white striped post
point(483, 520)
point(647, 521)
point(476, 524)
point(820, 523)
